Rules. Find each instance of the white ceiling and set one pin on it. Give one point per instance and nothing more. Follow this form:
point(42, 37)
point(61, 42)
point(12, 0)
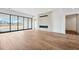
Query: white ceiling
point(36, 11)
point(32, 11)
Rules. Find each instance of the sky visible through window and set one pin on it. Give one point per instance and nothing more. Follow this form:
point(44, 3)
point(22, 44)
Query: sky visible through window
point(5, 23)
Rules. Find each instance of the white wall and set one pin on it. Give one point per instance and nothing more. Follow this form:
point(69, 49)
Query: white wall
point(71, 22)
point(58, 22)
point(43, 20)
point(50, 22)
point(35, 22)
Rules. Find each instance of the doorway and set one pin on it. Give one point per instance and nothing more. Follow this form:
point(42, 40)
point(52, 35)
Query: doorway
point(71, 24)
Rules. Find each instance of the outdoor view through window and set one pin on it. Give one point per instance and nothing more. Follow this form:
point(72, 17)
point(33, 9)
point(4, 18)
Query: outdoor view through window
point(12, 22)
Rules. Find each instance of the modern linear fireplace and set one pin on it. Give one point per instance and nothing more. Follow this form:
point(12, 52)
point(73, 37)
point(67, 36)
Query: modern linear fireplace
point(43, 26)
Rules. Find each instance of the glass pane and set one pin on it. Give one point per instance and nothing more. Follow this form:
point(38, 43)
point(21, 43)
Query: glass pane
point(13, 22)
point(4, 23)
point(30, 25)
point(20, 22)
point(26, 23)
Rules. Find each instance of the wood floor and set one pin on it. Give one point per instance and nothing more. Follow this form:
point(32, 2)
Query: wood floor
point(38, 40)
point(71, 32)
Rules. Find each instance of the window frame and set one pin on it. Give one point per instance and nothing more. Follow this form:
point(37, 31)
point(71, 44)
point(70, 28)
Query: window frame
point(10, 30)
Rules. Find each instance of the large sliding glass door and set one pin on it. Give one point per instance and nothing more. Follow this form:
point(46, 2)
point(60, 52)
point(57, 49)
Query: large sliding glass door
point(10, 23)
point(4, 23)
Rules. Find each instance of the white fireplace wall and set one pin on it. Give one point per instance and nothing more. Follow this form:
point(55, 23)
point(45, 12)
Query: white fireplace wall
point(46, 21)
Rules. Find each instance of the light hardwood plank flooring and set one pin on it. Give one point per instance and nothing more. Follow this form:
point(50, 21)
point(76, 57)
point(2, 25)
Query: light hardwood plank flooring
point(38, 40)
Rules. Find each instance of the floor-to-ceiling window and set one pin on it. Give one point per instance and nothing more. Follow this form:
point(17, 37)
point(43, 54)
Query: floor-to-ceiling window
point(26, 23)
point(30, 23)
point(13, 23)
point(20, 23)
point(4, 22)
point(10, 22)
